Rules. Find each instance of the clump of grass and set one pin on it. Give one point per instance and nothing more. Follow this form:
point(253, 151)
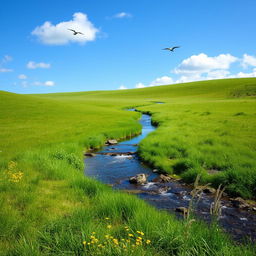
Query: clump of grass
point(182, 166)
point(239, 114)
point(196, 194)
point(215, 209)
point(71, 158)
point(206, 113)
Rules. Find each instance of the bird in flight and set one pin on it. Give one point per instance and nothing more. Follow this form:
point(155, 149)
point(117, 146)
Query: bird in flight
point(75, 32)
point(172, 48)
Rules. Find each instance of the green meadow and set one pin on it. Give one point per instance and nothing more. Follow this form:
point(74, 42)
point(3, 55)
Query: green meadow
point(48, 206)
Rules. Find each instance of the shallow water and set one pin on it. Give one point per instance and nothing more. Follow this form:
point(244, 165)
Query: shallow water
point(116, 171)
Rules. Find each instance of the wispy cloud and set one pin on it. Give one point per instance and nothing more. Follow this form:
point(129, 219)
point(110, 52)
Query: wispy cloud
point(3, 61)
point(7, 58)
point(46, 83)
point(4, 70)
point(60, 34)
point(22, 76)
point(122, 15)
point(34, 65)
point(24, 84)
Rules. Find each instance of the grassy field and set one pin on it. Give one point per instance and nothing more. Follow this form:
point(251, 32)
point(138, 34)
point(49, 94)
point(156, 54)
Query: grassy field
point(48, 207)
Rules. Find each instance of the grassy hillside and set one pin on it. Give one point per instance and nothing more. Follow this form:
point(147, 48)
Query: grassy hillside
point(207, 127)
point(48, 207)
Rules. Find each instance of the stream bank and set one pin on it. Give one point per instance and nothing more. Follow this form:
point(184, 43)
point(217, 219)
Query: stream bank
point(115, 164)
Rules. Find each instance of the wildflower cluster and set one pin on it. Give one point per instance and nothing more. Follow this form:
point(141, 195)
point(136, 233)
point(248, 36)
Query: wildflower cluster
point(129, 242)
point(12, 173)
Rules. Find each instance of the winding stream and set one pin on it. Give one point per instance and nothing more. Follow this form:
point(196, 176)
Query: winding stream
point(116, 171)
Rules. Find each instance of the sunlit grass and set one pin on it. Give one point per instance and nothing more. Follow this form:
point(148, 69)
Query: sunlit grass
point(47, 205)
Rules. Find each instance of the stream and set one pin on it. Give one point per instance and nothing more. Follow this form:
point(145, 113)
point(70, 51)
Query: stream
point(112, 165)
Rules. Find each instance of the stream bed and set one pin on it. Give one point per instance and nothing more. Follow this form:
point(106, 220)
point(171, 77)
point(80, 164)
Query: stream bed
point(112, 165)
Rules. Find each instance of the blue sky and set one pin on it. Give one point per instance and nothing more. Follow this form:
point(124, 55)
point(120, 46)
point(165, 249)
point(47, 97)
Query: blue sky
point(122, 43)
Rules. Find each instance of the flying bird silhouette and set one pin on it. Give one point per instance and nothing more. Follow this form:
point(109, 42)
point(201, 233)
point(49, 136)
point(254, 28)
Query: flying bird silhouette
point(172, 48)
point(75, 32)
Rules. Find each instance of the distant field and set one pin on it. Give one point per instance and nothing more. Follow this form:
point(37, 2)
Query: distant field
point(47, 205)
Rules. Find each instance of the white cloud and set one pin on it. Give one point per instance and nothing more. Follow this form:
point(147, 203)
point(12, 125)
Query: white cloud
point(4, 70)
point(202, 63)
point(248, 60)
point(140, 85)
point(34, 65)
point(59, 34)
point(189, 78)
point(22, 76)
point(158, 81)
point(122, 15)
point(202, 67)
point(46, 83)
point(49, 83)
point(162, 81)
point(242, 74)
point(122, 87)
point(217, 74)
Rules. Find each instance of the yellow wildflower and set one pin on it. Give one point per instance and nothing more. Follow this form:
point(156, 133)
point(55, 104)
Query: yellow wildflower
point(84, 242)
point(148, 241)
point(131, 235)
point(109, 226)
point(115, 241)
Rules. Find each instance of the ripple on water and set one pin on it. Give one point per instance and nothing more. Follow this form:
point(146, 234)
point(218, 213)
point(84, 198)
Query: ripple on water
point(149, 185)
